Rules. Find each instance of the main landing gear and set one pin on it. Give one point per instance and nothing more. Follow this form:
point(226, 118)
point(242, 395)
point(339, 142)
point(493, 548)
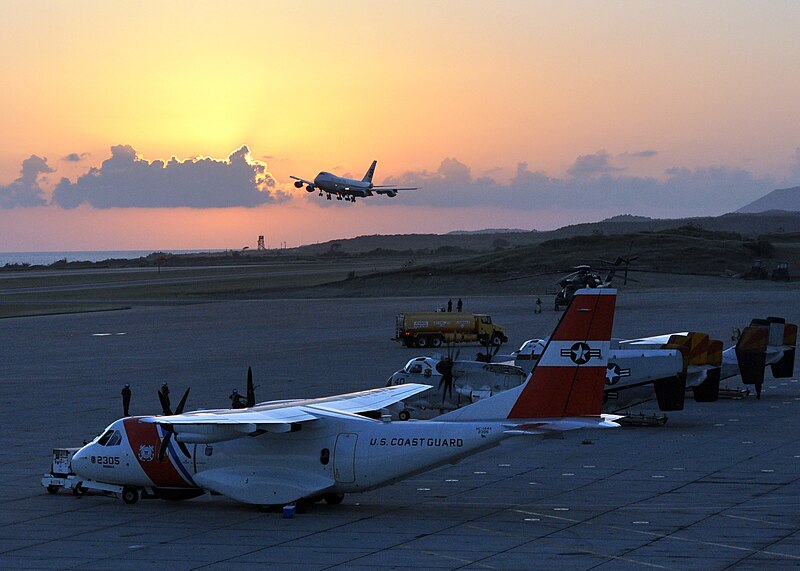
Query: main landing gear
point(331, 499)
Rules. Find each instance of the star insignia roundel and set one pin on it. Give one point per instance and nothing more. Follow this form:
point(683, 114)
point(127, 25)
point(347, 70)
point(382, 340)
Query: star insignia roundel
point(580, 353)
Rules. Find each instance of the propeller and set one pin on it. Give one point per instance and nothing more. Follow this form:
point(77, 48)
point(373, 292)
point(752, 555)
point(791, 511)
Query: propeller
point(487, 357)
point(251, 391)
point(168, 429)
point(445, 368)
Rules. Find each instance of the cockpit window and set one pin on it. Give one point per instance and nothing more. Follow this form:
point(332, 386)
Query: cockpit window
point(103, 439)
point(110, 438)
point(415, 368)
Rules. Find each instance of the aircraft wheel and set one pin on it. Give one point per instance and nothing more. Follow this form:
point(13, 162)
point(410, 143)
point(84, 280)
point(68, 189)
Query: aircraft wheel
point(436, 341)
point(78, 490)
point(130, 495)
point(51, 489)
point(334, 499)
point(404, 414)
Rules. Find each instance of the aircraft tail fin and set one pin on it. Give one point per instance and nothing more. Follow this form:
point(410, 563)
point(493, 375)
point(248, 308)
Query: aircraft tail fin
point(751, 351)
point(785, 366)
point(370, 172)
point(569, 377)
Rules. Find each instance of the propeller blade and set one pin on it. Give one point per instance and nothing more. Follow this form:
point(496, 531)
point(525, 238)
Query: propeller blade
point(183, 448)
point(162, 451)
point(251, 391)
point(164, 403)
point(181, 404)
point(445, 368)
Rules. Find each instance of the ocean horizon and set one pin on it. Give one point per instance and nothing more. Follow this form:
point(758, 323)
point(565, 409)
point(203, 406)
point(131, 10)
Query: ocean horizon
point(47, 258)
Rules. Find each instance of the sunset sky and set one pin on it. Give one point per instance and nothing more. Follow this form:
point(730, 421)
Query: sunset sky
point(176, 125)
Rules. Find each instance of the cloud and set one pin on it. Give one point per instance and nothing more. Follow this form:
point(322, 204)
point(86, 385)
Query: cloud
point(592, 184)
point(25, 191)
point(646, 154)
point(590, 166)
point(75, 157)
point(127, 180)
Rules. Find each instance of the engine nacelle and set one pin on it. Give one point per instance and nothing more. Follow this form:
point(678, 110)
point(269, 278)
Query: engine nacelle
point(298, 184)
point(391, 193)
point(310, 188)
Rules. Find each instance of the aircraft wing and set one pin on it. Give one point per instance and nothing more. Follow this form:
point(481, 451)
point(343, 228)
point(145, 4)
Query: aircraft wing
point(532, 427)
point(654, 340)
point(304, 181)
point(205, 426)
point(391, 189)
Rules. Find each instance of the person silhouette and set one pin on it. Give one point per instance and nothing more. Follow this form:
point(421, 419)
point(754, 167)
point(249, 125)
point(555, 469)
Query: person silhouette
point(236, 399)
point(126, 399)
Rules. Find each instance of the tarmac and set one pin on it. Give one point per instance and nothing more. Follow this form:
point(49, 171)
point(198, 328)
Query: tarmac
point(717, 487)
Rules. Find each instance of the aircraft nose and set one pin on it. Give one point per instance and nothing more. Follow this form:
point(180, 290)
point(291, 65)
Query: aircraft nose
point(81, 463)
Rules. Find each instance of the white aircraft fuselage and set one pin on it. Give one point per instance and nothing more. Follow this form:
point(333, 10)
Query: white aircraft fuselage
point(279, 468)
point(330, 183)
point(279, 452)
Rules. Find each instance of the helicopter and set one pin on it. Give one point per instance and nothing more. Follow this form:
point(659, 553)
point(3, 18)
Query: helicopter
point(585, 276)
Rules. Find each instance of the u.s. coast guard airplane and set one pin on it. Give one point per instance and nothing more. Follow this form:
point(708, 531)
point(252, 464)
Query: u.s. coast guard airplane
point(347, 188)
point(284, 451)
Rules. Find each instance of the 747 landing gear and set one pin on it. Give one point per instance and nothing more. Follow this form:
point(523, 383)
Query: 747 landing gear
point(329, 196)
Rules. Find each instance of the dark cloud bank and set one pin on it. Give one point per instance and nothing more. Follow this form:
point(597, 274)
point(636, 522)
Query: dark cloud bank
point(592, 182)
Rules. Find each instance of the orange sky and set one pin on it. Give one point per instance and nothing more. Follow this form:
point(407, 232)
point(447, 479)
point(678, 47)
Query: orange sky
point(312, 86)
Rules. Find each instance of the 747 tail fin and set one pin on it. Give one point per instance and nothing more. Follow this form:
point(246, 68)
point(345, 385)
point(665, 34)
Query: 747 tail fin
point(370, 172)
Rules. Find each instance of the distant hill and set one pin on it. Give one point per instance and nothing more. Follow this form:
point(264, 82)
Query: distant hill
point(785, 199)
point(748, 226)
point(489, 231)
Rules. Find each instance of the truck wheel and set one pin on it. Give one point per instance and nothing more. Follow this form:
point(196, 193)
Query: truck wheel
point(51, 489)
point(404, 414)
point(497, 340)
point(421, 342)
point(436, 341)
point(130, 495)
